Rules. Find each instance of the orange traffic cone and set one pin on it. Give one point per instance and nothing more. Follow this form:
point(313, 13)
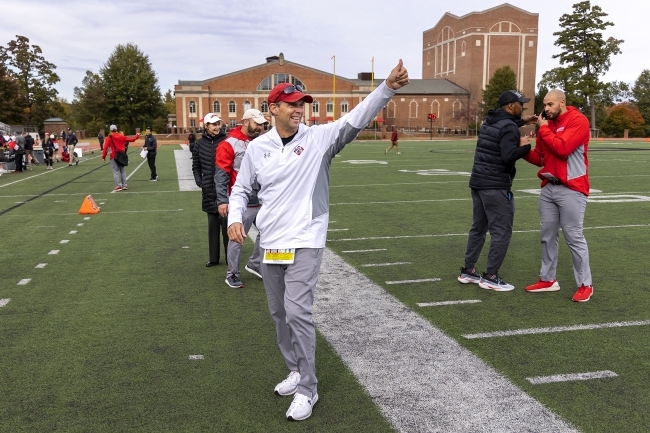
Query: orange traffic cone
point(88, 207)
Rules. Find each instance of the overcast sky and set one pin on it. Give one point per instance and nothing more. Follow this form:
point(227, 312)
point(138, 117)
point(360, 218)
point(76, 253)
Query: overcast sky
point(192, 40)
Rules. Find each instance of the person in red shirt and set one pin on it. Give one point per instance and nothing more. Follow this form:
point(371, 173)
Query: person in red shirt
point(116, 142)
point(393, 142)
point(561, 152)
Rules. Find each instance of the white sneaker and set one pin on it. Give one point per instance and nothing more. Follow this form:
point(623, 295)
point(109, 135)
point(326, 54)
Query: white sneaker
point(398, 153)
point(289, 385)
point(301, 407)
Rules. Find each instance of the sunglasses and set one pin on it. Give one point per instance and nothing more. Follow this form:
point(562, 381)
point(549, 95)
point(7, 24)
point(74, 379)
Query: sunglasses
point(292, 89)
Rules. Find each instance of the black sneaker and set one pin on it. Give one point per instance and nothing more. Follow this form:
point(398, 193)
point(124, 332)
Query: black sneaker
point(469, 276)
point(234, 281)
point(493, 282)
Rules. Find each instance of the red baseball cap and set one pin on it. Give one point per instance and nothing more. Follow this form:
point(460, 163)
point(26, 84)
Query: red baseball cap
point(288, 92)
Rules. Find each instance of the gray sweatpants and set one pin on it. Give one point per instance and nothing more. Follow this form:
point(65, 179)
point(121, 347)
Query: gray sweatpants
point(562, 207)
point(290, 294)
point(119, 175)
point(234, 249)
point(493, 210)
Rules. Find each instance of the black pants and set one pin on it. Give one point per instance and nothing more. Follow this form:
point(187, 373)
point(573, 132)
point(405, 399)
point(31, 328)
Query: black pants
point(217, 225)
point(493, 211)
point(19, 162)
point(48, 157)
point(151, 160)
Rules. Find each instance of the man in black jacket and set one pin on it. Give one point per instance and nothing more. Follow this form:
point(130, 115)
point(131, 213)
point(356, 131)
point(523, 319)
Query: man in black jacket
point(498, 146)
point(151, 144)
point(29, 150)
point(203, 167)
point(71, 142)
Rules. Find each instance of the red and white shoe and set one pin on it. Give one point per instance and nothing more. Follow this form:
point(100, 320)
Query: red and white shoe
point(583, 294)
point(117, 188)
point(543, 286)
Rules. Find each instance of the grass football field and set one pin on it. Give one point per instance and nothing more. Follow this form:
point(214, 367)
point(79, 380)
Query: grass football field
point(99, 336)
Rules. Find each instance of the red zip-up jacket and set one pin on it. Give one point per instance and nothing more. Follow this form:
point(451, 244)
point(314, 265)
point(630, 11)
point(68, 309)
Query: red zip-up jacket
point(561, 151)
point(116, 142)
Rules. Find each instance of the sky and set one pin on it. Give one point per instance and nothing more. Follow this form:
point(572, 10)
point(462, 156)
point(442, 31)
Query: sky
point(197, 40)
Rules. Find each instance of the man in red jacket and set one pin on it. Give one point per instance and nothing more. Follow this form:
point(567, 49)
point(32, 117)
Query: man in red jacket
point(393, 143)
point(561, 151)
point(117, 142)
point(229, 156)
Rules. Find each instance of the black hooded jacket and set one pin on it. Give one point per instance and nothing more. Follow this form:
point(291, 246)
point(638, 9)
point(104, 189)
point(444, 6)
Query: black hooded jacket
point(204, 159)
point(497, 149)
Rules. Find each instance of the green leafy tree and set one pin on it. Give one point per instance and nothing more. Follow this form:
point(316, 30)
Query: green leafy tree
point(13, 105)
point(88, 107)
point(35, 75)
point(621, 117)
point(585, 52)
point(170, 102)
point(131, 91)
point(503, 79)
point(641, 96)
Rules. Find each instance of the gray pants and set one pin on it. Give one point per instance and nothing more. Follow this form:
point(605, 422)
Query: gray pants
point(234, 249)
point(119, 176)
point(290, 294)
point(493, 211)
point(560, 206)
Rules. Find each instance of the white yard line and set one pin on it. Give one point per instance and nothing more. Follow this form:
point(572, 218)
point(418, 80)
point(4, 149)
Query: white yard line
point(337, 230)
point(442, 235)
point(530, 331)
point(441, 303)
point(423, 280)
point(365, 251)
point(383, 342)
point(24, 281)
point(4, 301)
point(40, 266)
point(184, 170)
point(54, 252)
point(386, 264)
point(571, 377)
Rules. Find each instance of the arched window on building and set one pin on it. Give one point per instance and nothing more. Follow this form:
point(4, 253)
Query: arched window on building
point(456, 109)
point(232, 107)
point(192, 107)
point(344, 107)
point(264, 107)
point(463, 46)
point(315, 106)
point(216, 107)
point(435, 107)
point(272, 80)
point(391, 108)
point(329, 107)
point(413, 109)
point(247, 105)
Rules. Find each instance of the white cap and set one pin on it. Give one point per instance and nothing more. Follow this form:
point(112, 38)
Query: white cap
point(113, 128)
point(256, 115)
point(211, 118)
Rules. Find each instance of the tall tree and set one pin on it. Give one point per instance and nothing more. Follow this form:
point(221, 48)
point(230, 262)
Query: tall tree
point(88, 108)
point(13, 104)
point(131, 87)
point(170, 102)
point(584, 51)
point(35, 75)
point(503, 79)
point(641, 96)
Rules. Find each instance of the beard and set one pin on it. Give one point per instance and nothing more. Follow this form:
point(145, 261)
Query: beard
point(252, 132)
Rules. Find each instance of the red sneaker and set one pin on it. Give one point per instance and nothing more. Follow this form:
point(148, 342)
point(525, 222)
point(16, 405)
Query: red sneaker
point(544, 286)
point(117, 188)
point(583, 294)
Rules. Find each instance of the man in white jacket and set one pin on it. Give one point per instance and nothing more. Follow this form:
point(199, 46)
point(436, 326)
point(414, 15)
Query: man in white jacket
point(291, 164)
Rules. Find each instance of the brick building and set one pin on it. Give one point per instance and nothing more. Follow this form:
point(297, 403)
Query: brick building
point(468, 49)
point(231, 94)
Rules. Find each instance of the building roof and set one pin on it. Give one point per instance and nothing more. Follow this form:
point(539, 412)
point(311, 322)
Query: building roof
point(504, 5)
point(440, 86)
point(54, 119)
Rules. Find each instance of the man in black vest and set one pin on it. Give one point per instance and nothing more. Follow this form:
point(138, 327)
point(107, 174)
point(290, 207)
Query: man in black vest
point(498, 146)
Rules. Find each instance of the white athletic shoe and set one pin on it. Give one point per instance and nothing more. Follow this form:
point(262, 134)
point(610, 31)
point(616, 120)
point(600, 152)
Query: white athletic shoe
point(301, 407)
point(289, 385)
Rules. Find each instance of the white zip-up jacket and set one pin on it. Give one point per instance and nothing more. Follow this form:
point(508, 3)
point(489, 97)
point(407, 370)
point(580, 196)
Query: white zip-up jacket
point(294, 179)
